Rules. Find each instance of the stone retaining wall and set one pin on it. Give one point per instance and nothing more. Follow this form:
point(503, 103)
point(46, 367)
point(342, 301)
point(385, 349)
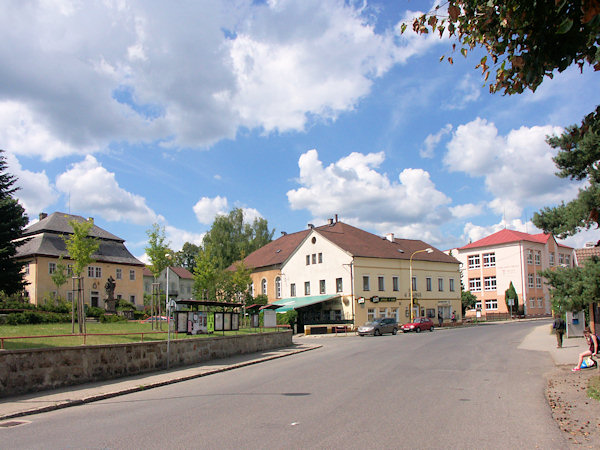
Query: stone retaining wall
point(33, 370)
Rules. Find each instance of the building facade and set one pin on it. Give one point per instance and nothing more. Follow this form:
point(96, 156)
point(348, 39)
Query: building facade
point(339, 274)
point(490, 264)
point(45, 243)
point(181, 283)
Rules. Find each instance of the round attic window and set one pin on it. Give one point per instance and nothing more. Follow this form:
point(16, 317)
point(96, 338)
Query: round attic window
point(314, 240)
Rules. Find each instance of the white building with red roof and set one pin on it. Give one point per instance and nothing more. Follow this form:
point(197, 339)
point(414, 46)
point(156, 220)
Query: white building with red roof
point(490, 264)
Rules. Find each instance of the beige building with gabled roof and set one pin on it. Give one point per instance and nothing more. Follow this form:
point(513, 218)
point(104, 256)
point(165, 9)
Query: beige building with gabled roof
point(45, 242)
point(340, 274)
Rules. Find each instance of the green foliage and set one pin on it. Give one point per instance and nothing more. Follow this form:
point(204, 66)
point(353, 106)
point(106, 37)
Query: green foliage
point(206, 276)
point(574, 288)
point(511, 292)
point(578, 158)
point(157, 250)
point(12, 222)
point(230, 239)
point(94, 311)
point(80, 246)
point(526, 40)
point(288, 318)
point(468, 301)
point(260, 299)
point(124, 305)
point(186, 257)
point(34, 317)
point(59, 277)
point(111, 318)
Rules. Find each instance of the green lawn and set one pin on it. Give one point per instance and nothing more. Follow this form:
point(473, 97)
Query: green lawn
point(112, 328)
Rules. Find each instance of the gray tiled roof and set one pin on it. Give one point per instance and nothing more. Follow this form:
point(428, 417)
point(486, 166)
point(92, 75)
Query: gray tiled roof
point(59, 223)
point(45, 238)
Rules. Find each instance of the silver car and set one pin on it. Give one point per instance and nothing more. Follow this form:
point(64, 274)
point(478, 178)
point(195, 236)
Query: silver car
point(379, 327)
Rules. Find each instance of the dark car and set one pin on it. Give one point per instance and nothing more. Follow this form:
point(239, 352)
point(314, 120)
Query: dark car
point(379, 327)
point(420, 324)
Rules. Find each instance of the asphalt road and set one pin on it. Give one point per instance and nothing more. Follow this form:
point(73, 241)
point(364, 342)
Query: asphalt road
point(461, 388)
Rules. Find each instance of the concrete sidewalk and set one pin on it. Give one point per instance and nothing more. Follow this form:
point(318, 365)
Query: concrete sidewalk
point(542, 339)
point(38, 402)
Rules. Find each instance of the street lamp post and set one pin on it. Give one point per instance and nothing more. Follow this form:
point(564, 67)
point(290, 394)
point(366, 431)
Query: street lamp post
point(168, 311)
point(427, 250)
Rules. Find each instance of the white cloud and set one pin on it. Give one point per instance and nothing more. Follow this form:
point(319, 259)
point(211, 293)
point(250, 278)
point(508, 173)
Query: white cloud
point(35, 192)
point(363, 196)
point(474, 232)
point(95, 190)
point(206, 209)
point(185, 77)
point(432, 140)
point(467, 91)
point(467, 210)
point(517, 168)
point(178, 237)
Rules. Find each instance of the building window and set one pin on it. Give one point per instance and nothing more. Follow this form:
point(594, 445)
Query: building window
point(538, 281)
point(491, 304)
point(381, 283)
point(370, 314)
point(263, 286)
point(529, 256)
point(70, 270)
point(307, 260)
point(440, 284)
point(568, 260)
point(338, 285)
point(320, 258)
point(278, 287)
point(475, 284)
point(451, 284)
point(530, 280)
point(70, 296)
point(489, 283)
point(414, 283)
point(293, 290)
point(395, 284)
point(132, 299)
point(321, 286)
point(474, 262)
point(366, 286)
point(383, 312)
point(532, 302)
point(94, 272)
point(551, 257)
point(307, 288)
point(26, 269)
point(478, 305)
point(489, 260)
point(314, 258)
point(538, 258)
point(119, 274)
point(132, 275)
point(428, 283)
point(561, 259)
point(51, 268)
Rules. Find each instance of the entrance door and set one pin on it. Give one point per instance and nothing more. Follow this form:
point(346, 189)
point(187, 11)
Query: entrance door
point(95, 298)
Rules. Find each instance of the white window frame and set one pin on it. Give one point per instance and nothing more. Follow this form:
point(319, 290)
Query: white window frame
point(474, 261)
point(322, 287)
point(293, 290)
point(489, 259)
point(551, 259)
point(307, 288)
point(530, 280)
point(51, 268)
point(263, 286)
point(475, 284)
point(278, 287)
point(538, 258)
point(491, 304)
point(538, 281)
point(119, 273)
point(529, 256)
point(131, 275)
point(489, 283)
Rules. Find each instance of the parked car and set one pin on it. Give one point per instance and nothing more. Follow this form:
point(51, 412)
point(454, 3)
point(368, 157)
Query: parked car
point(379, 327)
point(420, 324)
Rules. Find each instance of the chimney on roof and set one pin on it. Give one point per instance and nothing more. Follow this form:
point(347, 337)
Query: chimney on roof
point(390, 237)
point(336, 218)
point(311, 226)
point(283, 233)
point(330, 222)
point(43, 215)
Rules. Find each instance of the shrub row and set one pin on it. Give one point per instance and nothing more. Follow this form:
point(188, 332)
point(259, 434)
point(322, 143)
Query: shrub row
point(34, 317)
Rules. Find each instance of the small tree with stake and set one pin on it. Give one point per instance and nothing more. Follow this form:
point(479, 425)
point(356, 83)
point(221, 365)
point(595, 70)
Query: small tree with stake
point(81, 247)
point(511, 293)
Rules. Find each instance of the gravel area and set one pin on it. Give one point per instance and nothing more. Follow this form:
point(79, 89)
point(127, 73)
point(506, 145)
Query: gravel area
point(577, 415)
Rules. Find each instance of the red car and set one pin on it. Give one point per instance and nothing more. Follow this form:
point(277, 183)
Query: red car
point(420, 324)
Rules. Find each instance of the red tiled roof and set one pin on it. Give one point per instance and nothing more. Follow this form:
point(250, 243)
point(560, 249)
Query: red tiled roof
point(355, 241)
point(583, 254)
point(182, 272)
point(506, 236)
point(147, 272)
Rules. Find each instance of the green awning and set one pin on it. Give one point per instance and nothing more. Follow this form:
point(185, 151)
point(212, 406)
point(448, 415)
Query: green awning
point(299, 302)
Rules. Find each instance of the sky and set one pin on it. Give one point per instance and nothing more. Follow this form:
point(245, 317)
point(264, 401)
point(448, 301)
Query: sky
point(143, 112)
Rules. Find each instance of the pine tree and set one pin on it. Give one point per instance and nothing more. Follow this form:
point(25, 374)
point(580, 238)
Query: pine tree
point(12, 222)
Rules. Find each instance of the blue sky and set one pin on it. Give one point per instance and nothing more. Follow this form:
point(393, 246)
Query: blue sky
point(136, 112)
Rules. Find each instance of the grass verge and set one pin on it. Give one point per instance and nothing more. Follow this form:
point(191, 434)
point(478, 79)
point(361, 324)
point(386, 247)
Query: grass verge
point(594, 388)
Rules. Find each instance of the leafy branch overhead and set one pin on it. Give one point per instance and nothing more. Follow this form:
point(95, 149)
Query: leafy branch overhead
point(525, 40)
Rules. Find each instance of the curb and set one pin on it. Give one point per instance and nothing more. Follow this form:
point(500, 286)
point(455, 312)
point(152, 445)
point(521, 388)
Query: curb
point(95, 398)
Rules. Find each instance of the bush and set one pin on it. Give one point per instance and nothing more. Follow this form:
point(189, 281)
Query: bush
point(124, 305)
point(94, 311)
point(110, 318)
point(34, 317)
point(139, 315)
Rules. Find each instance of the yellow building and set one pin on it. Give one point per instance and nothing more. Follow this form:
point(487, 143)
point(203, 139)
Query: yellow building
point(44, 245)
point(337, 274)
